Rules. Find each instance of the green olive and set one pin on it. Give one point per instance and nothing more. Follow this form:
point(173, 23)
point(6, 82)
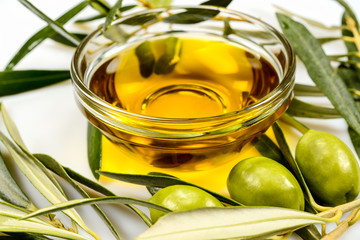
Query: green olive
point(329, 167)
point(181, 198)
point(260, 181)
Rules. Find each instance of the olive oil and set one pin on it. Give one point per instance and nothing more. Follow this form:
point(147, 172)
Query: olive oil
point(208, 78)
point(182, 77)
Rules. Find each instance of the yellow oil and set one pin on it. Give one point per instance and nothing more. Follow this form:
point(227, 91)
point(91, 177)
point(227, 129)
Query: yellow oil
point(200, 77)
point(209, 78)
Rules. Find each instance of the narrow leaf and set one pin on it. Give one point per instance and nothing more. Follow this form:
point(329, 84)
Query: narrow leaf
point(267, 148)
point(41, 35)
point(167, 62)
point(54, 166)
point(229, 223)
point(160, 3)
point(162, 181)
point(321, 72)
point(86, 201)
point(12, 82)
point(299, 108)
point(306, 90)
point(94, 149)
point(219, 3)
point(101, 6)
point(10, 190)
point(192, 15)
point(146, 59)
point(9, 224)
point(60, 39)
point(35, 172)
point(112, 14)
point(23, 236)
point(53, 24)
point(72, 176)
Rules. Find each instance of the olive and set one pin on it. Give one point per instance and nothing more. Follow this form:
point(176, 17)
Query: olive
point(261, 181)
point(181, 198)
point(329, 167)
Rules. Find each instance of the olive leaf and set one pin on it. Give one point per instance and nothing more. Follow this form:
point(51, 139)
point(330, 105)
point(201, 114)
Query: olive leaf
point(193, 15)
point(10, 190)
point(72, 177)
point(167, 62)
point(229, 223)
point(111, 14)
point(11, 224)
point(53, 24)
point(60, 39)
point(54, 166)
point(41, 35)
point(35, 171)
point(152, 190)
point(299, 108)
point(267, 148)
point(162, 181)
point(160, 3)
point(321, 72)
point(101, 6)
point(146, 59)
point(12, 82)
point(94, 149)
point(23, 236)
point(306, 90)
point(86, 201)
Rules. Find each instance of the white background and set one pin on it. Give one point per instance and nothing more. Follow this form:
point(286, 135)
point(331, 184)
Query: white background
point(50, 122)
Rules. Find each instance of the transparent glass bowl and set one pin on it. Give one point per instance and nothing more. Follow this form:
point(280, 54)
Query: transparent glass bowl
point(184, 144)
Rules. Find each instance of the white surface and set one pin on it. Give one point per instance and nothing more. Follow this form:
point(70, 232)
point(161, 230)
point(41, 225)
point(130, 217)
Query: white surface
point(50, 122)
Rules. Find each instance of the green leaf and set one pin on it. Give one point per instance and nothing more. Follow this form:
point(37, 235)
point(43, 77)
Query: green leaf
point(85, 201)
point(152, 190)
point(309, 233)
point(192, 15)
point(142, 19)
point(285, 149)
point(267, 148)
point(355, 139)
point(146, 59)
point(71, 176)
point(94, 149)
point(54, 166)
point(321, 72)
point(101, 6)
point(112, 14)
point(306, 90)
point(60, 39)
point(219, 3)
point(12, 82)
point(23, 236)
point(35, 171)
point(53, 24)
point(10, 190)
point(160, 3)
point(162, 181)
point(41, 35)
point(229, 223)
point(10, 224)
point(299, 108)
point(167, 62)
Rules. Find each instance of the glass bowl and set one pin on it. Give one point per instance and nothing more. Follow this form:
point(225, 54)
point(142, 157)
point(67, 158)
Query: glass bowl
point(183, 143)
